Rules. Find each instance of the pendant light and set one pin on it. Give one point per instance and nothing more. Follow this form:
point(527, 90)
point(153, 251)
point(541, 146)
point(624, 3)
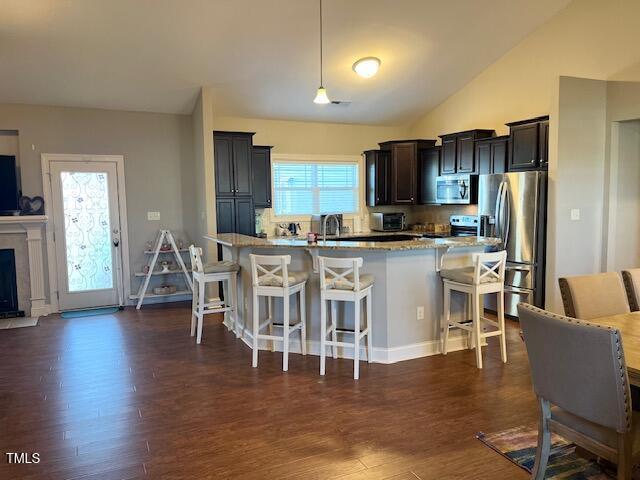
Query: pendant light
point(321, 95)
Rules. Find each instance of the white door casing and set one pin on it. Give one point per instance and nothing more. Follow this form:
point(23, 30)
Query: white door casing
point(87, 235)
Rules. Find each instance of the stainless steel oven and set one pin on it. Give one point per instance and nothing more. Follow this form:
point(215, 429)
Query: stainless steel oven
point(457, 189)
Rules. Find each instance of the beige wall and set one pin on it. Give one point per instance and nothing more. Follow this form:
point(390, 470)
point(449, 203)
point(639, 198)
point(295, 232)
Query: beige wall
point(155, 149)
point(590, 39)
point(311, 137)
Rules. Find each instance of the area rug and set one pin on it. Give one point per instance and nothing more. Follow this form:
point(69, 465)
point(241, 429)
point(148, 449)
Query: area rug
point(18, 322)
point(89, 312)
point(519, 445)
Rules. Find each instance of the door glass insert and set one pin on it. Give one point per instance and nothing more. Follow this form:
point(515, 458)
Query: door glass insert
point(85, 198)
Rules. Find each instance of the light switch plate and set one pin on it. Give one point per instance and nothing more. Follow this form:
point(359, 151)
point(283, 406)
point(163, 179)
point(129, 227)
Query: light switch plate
point(420, 313)
point(153, 216)
point(575, 214)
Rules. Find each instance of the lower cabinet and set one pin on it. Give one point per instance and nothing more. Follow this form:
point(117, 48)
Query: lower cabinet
point(236, 215)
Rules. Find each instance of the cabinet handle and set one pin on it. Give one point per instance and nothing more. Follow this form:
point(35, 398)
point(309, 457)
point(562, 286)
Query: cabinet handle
point(533, 161)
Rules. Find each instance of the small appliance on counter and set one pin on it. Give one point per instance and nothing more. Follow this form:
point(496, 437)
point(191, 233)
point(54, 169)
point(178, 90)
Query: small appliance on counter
point(332, 228)
point(461, 189)
point(387, 222)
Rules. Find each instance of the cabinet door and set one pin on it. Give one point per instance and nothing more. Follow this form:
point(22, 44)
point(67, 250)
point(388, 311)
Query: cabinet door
point(524, 147)
point(483, 157)
point(403, 174)
point(261, 174)
point(225, 215)
point(448, 160)
point(223, 156)
point(465, 154)
point(242, 165)
point(499, 150)
point(429, 170)
point(543, 144)
point(245, 218)
point(383, 178)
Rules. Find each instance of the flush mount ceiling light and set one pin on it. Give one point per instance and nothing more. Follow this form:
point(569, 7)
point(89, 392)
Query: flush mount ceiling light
point(321, 95)
point(367, 67)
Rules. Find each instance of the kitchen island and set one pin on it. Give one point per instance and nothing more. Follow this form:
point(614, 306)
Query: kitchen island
point(407, 295)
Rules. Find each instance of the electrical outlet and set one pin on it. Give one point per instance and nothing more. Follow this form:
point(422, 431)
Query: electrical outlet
point(575, 214)
point(153, 216)
point(420, 313)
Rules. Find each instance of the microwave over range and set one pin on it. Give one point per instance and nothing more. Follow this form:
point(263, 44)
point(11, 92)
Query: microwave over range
point(457, 189)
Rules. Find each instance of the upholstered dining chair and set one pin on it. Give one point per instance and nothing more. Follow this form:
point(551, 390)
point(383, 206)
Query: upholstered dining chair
point(592, 296)
point(631, 279)
point(580, 378)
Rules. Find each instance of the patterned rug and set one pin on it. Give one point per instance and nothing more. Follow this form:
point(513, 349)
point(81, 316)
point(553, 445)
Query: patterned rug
point(519, 445)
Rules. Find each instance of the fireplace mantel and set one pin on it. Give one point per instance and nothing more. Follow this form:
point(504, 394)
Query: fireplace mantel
point(31, 225)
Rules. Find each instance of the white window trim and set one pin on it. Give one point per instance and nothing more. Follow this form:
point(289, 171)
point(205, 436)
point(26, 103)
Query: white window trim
point(297, 158)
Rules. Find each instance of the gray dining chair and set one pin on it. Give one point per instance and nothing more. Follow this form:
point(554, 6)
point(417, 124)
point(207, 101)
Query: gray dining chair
point(631, 279)
point(592, 296)
point(580, 378)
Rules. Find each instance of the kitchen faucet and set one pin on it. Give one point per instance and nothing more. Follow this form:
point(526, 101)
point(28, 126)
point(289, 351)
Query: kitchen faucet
point(324, 226)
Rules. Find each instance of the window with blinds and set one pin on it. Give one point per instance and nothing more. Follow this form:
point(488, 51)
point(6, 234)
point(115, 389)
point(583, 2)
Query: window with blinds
point(307, 188)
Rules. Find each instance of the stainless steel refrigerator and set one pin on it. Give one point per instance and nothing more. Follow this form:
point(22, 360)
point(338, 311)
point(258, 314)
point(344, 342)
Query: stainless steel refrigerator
point(513, 206)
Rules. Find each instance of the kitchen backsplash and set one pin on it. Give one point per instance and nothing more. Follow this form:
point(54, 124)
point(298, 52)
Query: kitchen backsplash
point(415, 214)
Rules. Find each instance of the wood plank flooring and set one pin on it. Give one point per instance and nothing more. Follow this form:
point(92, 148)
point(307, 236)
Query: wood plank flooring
point(130, 395)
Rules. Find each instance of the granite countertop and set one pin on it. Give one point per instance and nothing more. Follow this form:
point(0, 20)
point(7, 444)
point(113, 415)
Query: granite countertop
point(419, 243)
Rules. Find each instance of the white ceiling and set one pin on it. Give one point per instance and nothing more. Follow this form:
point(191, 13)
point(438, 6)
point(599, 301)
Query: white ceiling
point(261, 56)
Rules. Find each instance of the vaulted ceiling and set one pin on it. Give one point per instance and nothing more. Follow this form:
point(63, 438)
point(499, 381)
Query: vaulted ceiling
point(260, 56)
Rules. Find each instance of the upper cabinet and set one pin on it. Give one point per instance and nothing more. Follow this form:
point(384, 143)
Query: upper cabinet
point(404, 168)
point(378, 184)
point(458, 153)
point(428, 171)
point(232, 155)
point(261, 174)
point(529, 148)
point(491, 154)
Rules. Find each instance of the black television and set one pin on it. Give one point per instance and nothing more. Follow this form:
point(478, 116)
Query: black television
point(9, 190)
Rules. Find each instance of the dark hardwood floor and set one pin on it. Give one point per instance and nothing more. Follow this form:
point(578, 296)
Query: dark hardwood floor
point(130, 395)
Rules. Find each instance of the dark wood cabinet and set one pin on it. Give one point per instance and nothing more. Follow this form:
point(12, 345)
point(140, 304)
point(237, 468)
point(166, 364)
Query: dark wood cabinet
point(378, 185)
point(235, 215)
point(543, 144)
point(448, 164)
point(491, 155)
point(245, 219)
point(232, 156)
point(429, 169)
point(404, 169)
point(261, 174)
point(529, 144)
point(226, 215)
point(465, 159)
point(458, 153)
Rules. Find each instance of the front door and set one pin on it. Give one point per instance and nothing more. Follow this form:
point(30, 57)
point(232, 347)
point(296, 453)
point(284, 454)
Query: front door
point(87, 233)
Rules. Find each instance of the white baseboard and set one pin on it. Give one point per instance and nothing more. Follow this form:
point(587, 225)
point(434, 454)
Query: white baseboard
point(380, 355)
point(41, 311)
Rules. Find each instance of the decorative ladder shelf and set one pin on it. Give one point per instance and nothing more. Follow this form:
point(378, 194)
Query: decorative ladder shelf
point(142, 292)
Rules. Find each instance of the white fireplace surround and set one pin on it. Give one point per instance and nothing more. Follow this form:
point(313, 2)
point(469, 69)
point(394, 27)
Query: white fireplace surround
point(32, 226)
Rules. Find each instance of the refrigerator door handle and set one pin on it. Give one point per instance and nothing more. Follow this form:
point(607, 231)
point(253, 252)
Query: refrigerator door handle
point(506, 206)
point(498, 208)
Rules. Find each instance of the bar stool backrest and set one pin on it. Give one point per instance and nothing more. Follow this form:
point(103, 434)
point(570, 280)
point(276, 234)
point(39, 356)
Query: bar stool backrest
point(345, 271)
point(489, 267)
point(196, 258)
point(270, 270)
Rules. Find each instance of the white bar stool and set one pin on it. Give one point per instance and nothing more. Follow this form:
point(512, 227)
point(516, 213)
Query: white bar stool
point(271, 278)
point(340, 281)
point(212, 272)
point(485, 276)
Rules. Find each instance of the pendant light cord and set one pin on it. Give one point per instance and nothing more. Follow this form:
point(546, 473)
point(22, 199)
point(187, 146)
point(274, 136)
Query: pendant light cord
point(321, 84)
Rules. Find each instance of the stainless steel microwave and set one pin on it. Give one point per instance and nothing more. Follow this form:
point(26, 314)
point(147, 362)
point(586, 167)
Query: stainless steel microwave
point(457, 189)
point(387, 222)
